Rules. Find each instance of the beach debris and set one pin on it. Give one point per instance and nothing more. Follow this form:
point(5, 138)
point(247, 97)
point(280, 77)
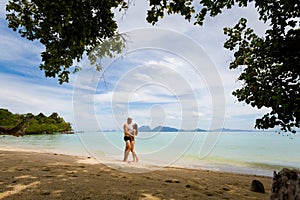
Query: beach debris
point(257, 186)
point(286, 185)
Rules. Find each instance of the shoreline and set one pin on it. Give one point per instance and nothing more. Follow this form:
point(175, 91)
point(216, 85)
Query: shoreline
point(88, 158)
point(231, 155)
point(36, 175)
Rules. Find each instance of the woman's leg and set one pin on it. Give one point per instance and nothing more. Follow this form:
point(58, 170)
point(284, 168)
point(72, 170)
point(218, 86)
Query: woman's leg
point(132, 149)
point(135, 158)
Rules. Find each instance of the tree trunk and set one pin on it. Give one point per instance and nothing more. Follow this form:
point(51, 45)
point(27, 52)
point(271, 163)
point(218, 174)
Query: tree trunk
point(286, 185)
point(18, 130)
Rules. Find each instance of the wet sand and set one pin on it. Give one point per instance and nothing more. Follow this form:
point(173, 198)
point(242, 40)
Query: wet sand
point(32, 175)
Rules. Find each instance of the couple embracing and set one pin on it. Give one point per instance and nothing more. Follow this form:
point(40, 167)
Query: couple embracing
point(130, 131)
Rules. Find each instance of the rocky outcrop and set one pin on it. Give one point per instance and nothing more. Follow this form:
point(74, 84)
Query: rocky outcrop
point(286, 185)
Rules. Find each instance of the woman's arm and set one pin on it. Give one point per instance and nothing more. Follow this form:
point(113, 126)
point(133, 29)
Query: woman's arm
point(134, 132)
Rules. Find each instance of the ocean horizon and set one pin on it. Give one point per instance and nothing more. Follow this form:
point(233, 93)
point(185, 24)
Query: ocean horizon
point(258, 153)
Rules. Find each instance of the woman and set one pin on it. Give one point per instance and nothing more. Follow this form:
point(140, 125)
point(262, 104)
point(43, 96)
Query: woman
point(134, 133)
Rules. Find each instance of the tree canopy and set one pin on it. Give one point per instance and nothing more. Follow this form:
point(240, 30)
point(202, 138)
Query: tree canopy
point(270, 64)
point(40, 124)
point(66, 28)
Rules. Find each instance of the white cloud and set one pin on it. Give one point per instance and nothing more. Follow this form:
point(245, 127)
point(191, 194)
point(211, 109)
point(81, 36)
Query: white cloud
point(150, 84)
point(157, 82)
point(2, 8)
point(22, 96)
point(18, 50)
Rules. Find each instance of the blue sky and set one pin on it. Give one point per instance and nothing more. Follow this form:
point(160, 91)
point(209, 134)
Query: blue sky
point(154, 86)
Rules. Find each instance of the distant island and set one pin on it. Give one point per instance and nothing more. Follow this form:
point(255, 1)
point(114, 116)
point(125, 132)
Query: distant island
point(171, 129)
point(21, 124)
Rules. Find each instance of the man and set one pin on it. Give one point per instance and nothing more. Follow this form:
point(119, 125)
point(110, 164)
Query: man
point(127, 138)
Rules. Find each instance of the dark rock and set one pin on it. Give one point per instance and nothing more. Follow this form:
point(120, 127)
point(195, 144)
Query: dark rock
point(257, 186)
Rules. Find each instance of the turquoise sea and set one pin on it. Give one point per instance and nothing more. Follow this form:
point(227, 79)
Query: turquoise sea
point(257, 153)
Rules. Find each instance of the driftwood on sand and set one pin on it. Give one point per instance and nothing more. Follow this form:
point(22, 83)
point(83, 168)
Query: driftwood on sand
point(18, 130)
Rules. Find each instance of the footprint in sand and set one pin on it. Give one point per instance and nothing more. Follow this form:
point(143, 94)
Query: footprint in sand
point(148, 196)
point(172, 181)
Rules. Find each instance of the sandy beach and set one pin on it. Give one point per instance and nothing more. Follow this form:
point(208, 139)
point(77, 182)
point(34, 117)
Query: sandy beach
point(32, 175)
